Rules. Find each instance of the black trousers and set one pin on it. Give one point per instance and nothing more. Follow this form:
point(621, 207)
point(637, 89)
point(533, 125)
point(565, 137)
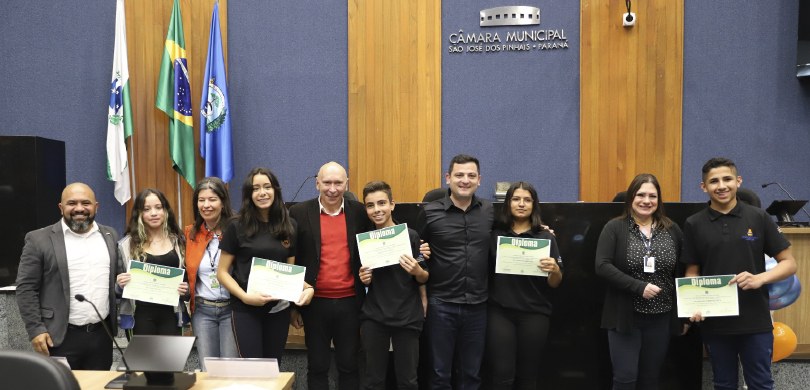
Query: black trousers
point(259, 333)
point(154, 319)
point(515, 342)
point(637, 355)
point(86, 348)
point(376, 338)
point(328, 321)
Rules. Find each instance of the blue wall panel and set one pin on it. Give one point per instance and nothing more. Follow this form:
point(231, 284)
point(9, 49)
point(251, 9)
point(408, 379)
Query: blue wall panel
point(55, 65)
point(742, 99)
point(518, 112)
point(288, 80)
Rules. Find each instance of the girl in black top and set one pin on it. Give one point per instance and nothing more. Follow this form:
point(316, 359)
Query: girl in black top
point(637, 255)
point(262, 229)
point(519, 307)
point(153, 236)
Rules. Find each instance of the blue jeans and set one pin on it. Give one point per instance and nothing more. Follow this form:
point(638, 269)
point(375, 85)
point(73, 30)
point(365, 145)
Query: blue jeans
point(457, 334)
point(754, 352)
point(212, 326)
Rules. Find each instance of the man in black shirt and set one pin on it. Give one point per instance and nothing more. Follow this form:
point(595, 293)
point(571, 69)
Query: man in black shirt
point(731, 237)
point(458, 230)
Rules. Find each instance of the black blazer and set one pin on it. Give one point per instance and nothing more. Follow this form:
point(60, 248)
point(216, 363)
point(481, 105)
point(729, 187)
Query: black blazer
point(308, 245)
point(611, 266)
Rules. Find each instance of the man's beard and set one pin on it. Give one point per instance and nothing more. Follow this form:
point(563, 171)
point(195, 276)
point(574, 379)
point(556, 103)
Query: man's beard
point(80, 226)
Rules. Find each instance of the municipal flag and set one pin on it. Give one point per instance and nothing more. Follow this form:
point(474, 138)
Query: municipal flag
point(119, 113)
point(215, 117)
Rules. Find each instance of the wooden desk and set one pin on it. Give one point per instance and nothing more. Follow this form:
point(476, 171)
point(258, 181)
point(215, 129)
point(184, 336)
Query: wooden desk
point(797, 315)
point(93, 380)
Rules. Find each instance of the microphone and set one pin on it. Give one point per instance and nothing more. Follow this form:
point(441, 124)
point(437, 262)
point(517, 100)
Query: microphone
point(785, 191)
point(302, 186)
point(124, 377)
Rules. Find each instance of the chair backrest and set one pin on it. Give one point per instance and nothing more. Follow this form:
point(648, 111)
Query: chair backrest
point(434, 194)
point(24, 370)
point(350, 196)
point(748, 196)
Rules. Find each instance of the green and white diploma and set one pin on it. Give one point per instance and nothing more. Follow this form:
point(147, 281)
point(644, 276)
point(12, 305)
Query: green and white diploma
point(712, 296)
point(276, 279)
point(521, 256)
point(382, 247)
point(153, 283)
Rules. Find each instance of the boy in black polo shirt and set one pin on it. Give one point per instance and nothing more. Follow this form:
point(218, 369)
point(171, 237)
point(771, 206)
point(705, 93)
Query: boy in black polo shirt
point(393, 309)
point(731, 237)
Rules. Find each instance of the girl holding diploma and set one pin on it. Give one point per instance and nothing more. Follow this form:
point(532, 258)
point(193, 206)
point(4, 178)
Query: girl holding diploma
point(264, 229)
point(153, 236)
point(637, 255)
point(519, 308)
point(210, 301)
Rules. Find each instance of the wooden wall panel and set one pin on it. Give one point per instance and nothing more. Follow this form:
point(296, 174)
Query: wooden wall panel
point(395, 95)
point(147, 25)
point(631, 94)
point(797, 315)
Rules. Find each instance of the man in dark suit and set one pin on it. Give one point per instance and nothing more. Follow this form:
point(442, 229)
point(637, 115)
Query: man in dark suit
point(73, 256)
point(327, 246)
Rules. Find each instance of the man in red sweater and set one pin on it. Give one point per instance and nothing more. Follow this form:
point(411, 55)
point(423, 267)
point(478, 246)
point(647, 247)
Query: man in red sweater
point(327, 246)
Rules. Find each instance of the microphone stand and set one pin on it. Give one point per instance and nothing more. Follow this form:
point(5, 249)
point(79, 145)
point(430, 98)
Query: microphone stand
point(788, 194)
point(301, 186)
point(118, 382)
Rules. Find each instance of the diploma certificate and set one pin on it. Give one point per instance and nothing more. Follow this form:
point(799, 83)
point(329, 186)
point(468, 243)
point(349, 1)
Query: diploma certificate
point(521, 256)
point(712, 296)
point(153, 283)
point(381, 248)
point(278, 280)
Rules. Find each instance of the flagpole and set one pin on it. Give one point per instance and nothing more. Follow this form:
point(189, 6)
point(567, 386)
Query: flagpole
point(134, 187)
point(179, 202)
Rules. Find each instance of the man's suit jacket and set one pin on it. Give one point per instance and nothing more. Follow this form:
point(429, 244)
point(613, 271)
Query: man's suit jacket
point(43, 286)
point(308, 241)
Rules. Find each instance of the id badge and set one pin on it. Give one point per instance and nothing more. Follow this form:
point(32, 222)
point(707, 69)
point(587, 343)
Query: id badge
point(214, 281)
point(649, 264)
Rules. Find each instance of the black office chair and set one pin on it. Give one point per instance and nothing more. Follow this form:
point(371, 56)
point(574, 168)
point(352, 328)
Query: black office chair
point(350, 196)
point(748, 196)
point(25, 370)
point(620, 197)
point(434, 194)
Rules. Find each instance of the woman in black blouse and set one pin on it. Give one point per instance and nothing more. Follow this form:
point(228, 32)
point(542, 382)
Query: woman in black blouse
point(637, 256)
point(519, 306)
point(263, 228)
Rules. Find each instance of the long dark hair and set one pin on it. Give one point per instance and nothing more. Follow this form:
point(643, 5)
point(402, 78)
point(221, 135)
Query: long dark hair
point(216, 185)
point(659, 217)
point(278, 222)
point(137, 232)
point(506, 219)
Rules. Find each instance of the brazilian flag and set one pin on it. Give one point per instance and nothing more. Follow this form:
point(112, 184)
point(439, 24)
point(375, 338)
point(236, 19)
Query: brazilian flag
point(174, 98)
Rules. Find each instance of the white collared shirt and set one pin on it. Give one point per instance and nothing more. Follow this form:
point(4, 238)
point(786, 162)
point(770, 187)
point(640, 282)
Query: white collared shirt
point(336, 213)
point(89, 274)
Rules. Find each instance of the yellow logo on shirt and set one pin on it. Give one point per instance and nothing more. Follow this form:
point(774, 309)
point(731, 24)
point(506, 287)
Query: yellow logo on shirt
point(750, 237)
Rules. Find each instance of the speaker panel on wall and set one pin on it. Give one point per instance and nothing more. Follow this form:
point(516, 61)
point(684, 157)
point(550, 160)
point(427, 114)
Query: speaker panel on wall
point(32, 176)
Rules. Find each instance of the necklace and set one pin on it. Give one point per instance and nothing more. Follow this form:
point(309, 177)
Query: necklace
point(217, 235)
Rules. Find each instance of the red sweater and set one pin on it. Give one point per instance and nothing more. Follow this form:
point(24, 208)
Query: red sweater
point(335, 279)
